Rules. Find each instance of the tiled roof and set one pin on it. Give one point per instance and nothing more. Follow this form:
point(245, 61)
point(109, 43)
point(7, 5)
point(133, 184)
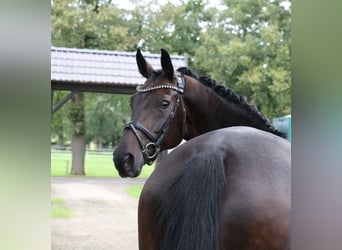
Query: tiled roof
point(101, 66)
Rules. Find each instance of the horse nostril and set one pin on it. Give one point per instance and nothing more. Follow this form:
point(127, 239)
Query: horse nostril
point(123, 162)
point(127, 159)
point(128, 164)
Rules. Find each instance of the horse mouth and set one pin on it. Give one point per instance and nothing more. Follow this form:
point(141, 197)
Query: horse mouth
point(132, 173)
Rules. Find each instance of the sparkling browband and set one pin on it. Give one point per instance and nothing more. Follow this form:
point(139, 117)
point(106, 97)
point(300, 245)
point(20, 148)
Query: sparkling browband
point(179, 88)
point(142, 90)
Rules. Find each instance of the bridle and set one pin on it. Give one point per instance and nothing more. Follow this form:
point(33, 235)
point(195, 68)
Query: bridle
point(151, 149)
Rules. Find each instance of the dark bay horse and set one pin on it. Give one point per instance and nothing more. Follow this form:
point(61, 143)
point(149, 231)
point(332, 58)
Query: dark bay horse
point(175, 105)
point(235, 182)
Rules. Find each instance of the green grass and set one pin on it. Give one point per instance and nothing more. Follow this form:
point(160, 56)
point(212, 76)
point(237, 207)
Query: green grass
point(97, 164)
point(59, 209)
point(135, 190)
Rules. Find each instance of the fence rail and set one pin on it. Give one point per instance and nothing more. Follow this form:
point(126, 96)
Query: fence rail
point(55, 148)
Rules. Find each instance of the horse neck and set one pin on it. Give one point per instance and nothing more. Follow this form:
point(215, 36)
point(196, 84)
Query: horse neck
point(207, 111)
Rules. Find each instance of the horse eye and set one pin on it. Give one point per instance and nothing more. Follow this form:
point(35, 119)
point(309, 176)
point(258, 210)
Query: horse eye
point(164, 104)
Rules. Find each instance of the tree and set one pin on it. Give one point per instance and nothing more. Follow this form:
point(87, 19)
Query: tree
point(175, 27)
point(83, 24)
point(248, 49)
point(106, 117)
point(76, 116)
point(88, 24)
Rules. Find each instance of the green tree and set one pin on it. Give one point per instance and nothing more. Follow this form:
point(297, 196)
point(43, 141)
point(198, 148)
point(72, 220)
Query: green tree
point(84, 24)
point(106, 117)
point(248, 49)
point(88, 24)
point(175, 27)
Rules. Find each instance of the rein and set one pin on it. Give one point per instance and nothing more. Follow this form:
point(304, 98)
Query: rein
point(151, 149)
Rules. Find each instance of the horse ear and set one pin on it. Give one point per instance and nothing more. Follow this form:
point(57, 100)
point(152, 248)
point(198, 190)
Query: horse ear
point(144, 67)
point(166, 63)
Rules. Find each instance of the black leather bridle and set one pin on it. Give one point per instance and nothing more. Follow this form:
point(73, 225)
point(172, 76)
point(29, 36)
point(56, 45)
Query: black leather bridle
point(151, 149)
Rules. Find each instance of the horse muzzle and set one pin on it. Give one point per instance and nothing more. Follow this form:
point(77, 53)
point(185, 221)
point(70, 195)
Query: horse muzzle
point(127, 164)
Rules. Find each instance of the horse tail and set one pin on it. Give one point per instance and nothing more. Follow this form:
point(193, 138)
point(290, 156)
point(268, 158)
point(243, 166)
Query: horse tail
point(189, 209)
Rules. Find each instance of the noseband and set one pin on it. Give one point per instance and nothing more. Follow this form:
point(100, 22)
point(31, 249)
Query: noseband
point(151, 149)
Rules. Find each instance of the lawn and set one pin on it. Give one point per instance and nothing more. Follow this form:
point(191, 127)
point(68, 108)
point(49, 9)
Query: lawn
point(135, 190)
point(97, 164)
point(59, 209)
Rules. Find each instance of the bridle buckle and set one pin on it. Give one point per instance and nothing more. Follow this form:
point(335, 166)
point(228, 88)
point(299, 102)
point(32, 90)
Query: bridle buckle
point(150, 152)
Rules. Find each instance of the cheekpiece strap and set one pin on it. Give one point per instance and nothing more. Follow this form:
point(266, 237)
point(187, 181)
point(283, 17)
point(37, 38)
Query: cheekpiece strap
point(180, 82)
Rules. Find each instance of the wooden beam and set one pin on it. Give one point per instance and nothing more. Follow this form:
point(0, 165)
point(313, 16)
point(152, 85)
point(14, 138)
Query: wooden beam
point(64, 100)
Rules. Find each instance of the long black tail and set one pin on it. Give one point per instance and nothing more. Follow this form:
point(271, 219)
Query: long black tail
point(189, 210)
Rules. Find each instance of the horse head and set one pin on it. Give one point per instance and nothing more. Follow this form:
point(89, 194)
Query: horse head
point(158, 117)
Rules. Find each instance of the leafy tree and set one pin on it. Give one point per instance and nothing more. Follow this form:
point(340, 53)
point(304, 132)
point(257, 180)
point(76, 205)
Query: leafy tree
point(248, 49)
point(84, 24)
point(106, 116)
point(175, 27)
point(88, 24)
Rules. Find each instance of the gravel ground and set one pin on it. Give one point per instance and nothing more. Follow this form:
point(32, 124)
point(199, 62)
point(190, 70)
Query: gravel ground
point(104, 215)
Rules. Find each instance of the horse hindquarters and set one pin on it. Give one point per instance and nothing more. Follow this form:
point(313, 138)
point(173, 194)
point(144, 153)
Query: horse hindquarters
point(255, 215)
point(253, 228)
point(185, 214)
point(191, 188)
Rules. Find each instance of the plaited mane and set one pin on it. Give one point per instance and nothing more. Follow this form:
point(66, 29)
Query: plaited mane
point(230, 96)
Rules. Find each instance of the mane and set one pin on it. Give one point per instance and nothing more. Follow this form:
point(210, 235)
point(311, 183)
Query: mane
point(188, 210)
point(230, 96)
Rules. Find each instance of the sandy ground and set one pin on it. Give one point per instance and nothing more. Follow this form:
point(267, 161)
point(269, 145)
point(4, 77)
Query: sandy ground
point(104, 215)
